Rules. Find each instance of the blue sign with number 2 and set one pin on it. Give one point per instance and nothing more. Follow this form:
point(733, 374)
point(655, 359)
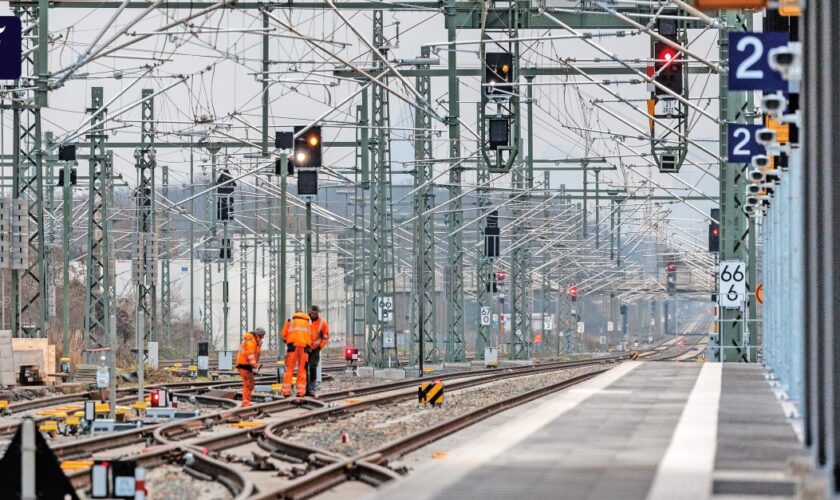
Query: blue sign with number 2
point(10, 47)
point(742, 143)
point(749, 61)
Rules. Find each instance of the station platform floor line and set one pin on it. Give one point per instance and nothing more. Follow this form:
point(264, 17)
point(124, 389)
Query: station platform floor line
point(642, 430)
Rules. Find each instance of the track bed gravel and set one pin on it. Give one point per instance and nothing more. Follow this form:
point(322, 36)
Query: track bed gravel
point(376, 426)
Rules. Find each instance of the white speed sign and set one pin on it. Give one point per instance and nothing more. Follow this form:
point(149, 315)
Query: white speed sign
point(732, 284)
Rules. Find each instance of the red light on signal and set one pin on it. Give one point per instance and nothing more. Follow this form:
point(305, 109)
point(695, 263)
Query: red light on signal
point(573, 291)
point(671, 267)
point(667, 54)
point(715, 231)
point(155, 398)
point(350, 353)
point(500, 276)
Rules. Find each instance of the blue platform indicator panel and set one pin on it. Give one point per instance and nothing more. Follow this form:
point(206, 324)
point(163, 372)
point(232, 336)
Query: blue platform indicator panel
point(749, 61)
point(10, 47)
point(742, 143)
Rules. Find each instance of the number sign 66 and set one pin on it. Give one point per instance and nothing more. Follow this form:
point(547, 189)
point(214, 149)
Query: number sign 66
point(732, 284)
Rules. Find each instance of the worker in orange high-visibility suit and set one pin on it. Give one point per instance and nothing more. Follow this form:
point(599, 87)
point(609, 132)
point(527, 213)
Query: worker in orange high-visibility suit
point(248, 361)
point(297, 335)
point(320, 339)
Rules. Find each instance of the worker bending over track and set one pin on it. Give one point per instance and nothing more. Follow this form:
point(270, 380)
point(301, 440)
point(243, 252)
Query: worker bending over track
point(248, 361)
point(297, 335)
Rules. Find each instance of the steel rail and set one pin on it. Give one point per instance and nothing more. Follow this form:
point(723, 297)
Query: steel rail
point(333, 475)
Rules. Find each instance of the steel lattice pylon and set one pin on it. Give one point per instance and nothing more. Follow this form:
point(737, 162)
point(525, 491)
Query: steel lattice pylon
point(163, 245)
point(99, 285)
point(380, 317)
point(146, 247)
point(243, 288)
point(29, 304)
point(484, 265)
point(362, 183)
point(455, 344)
point(210, 251)
point(424, 225)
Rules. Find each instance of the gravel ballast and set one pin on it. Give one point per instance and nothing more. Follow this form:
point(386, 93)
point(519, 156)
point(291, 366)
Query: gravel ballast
point(376, 426)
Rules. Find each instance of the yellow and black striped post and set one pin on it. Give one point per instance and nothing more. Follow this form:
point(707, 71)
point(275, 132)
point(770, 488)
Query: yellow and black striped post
point(431, 393)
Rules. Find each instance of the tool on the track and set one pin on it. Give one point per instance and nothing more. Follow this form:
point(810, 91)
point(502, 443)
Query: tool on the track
point(431, 393)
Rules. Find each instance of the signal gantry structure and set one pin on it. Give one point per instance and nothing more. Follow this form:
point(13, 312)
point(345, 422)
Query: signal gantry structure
point(460, 168)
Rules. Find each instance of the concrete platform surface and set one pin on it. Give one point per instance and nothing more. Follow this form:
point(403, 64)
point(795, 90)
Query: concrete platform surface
point(657, 430)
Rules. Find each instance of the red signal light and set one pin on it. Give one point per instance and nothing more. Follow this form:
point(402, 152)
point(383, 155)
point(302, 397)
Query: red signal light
point(500, 276)
point(155, 398)
point(668, 54)
point(573, 291)
point(671, 267)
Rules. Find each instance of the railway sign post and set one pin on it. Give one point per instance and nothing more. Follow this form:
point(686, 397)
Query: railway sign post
point(386, 307)
point(742, 142)
point(749, 61)
point(732, 284)
point(485, 316)
point(11, 47)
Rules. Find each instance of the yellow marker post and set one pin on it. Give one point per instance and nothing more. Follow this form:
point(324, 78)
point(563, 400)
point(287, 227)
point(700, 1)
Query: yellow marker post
point(48, 426)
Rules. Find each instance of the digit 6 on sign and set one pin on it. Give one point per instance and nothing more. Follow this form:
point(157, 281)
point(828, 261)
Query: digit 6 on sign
point(732, 294)
point(725, 275)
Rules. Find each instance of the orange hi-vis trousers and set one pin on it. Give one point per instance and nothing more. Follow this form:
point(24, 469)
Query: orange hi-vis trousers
point(300, 357)
point(247, 385)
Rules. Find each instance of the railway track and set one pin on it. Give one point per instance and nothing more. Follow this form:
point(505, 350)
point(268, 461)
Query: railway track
point(183, 441)
point(368, 466)
point(174, 441)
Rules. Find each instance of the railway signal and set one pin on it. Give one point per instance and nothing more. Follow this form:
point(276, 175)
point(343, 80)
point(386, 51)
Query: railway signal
point(714, 231)
point(573, 293)
point(498, 72)
point(307, 151)
point(671, 269)
point(668, 69)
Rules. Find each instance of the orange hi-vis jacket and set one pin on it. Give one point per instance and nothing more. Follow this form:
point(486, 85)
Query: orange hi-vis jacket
point(298, 330)
point(320, 333)
point(249, 351)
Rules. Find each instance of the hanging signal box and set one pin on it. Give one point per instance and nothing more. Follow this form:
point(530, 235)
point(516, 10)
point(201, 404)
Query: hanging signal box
point(307, 183)
point(668, 68)
point(498, 74)
point(499, 129)
point(283, 140)
point(307, 152)
point(61, 176)
point(67, 152)
point(714, 231)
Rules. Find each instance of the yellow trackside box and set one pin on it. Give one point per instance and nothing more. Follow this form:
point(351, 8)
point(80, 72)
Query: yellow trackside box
point(431, 393)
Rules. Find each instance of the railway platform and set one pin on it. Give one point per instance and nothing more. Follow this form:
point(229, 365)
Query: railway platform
point(642, 430)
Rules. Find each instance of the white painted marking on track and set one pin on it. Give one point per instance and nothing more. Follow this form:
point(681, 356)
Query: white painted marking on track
point(686, 470)
point(608, 392)
point(467, 457)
